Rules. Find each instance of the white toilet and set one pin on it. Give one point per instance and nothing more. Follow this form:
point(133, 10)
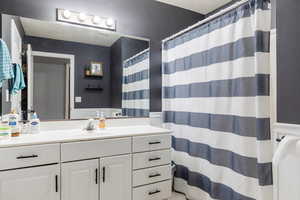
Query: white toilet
point(286, 169)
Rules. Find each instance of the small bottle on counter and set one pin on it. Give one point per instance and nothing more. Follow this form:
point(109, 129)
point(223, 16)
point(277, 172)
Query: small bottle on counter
point(13, 123)
point(102, 124)
point(34, 124)
point(5, 131)
point(25, 129)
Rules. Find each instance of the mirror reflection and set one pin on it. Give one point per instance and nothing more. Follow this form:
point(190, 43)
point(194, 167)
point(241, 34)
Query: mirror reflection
point(76, 72)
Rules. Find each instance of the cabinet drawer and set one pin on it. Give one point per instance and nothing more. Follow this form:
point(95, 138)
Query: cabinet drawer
point(95, 149)
point(151, 159)
point(18, 157)
point(150, 143)
point(151, 175)
point(156, 191)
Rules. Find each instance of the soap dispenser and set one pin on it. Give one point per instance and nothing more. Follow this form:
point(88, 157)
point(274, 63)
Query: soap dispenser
point(34, 124)
point(102, 124)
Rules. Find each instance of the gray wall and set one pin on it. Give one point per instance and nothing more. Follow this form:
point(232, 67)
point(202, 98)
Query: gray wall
point(288, 59)
point(273, 3)
point(84, 54)
point(121, 50)
point(116, 74)
point(143, 18)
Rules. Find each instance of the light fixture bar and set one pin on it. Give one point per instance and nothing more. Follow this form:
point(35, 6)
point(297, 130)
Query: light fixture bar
point(74, 17)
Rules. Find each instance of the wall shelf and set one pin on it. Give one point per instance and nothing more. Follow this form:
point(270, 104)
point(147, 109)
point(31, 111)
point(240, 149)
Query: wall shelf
point(93, 76)
point(93, 88)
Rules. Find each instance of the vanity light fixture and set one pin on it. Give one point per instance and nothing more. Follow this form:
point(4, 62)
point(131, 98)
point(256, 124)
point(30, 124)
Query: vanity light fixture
point(110, 22)
point(67, 14)
point(81, 18)
point(96, 20)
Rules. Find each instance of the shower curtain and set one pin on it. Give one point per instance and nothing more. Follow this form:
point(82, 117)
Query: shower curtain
point(216, 102)
point(135, 88)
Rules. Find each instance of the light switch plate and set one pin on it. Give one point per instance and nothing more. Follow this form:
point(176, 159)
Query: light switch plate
point(78, 99)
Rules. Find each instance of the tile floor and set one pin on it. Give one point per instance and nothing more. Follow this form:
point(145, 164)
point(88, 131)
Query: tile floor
point(177, 196)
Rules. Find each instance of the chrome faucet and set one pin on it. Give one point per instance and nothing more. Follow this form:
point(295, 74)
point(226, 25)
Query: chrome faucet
point(91, 125)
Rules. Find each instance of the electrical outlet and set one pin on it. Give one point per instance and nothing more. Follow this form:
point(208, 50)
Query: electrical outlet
point(77, 99)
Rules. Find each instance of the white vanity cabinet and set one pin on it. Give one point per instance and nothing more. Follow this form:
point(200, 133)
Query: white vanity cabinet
point(115, 168)
point(80, 180)
point(34, 183)
point(152, 167)
point(115, 178)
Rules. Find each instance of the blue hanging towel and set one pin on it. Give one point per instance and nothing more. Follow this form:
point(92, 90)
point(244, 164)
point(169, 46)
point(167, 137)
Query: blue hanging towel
point(18, 80)
point(6, 70)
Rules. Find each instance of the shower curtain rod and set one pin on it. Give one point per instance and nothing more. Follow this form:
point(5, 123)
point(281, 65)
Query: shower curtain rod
point(140, 53)
point(221, 12)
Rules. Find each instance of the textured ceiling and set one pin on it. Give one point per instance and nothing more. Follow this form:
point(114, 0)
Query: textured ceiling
point(200, 6)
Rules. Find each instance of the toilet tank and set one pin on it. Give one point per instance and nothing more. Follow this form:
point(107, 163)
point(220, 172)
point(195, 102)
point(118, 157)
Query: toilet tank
point(286, 169)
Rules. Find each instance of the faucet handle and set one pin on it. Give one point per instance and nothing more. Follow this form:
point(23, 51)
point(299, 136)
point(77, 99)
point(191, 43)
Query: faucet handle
point(91, 125)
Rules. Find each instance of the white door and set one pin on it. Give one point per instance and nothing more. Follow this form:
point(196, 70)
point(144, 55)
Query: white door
point(16, 57)
point(36, 183)
point(115, 178)
point(29, 78)
point(80, 180)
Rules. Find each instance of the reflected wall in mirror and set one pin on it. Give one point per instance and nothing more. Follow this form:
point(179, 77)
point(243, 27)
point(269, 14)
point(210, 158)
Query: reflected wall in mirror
point(73, 71)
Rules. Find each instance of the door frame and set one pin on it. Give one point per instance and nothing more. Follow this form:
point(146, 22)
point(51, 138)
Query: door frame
point(71, 75)
point(16, 57)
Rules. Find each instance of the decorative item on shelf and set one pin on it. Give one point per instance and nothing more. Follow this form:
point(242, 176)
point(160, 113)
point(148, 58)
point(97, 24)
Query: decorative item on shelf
point(96, 69)
point(94, 88)
point(87, 71)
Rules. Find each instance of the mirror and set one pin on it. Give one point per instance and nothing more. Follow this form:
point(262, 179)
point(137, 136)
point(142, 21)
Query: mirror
point(74, 71)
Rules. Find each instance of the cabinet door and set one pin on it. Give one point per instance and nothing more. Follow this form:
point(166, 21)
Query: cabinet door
point(36, 183)
point(115, 178)
point(80, 180)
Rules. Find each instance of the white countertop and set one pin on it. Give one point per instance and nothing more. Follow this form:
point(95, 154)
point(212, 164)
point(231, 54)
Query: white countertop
point(75, 135)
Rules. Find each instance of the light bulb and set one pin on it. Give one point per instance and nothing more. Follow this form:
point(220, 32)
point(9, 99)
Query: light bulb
point(82, 17)
point(110, 22)
point(67, 14)
point(96, 20)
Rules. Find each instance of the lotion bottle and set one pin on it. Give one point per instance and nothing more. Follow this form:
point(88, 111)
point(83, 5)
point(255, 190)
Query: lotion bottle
point(34, 124)
point(13, 122)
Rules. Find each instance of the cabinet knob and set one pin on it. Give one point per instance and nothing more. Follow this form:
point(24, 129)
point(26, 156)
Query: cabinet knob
point(103, 174)
point(154, 175)
point(157, 142)
point(154, 192)
point(56, 183)
point(154, 159)
point(25, 157)
point(96, 174)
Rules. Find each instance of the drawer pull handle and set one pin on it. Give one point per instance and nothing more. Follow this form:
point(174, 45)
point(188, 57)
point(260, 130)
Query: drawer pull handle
point(154, 159)
point(25, 157)
point(154, 192)
point(56, 183)
point(103, 174)
point(151, 143)
point(154, 175)
point(96, 174)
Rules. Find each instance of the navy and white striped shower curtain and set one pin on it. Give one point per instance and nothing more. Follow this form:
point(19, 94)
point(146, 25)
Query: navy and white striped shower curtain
point(216, 102)
point(135, 88)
